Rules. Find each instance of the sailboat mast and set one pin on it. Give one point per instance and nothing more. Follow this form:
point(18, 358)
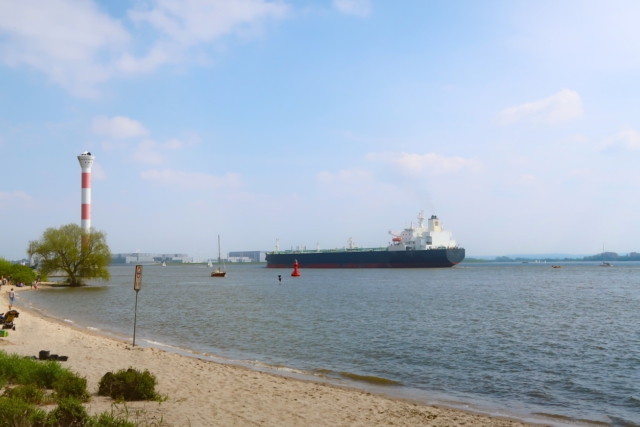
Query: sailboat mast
point(218, 252)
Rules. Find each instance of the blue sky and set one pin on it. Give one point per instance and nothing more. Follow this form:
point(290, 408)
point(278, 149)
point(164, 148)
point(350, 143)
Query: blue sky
point(516, 122)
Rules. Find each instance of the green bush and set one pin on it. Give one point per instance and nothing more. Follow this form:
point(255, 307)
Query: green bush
point(70, 384)
point(129, 384)
point(27, 393)
point(22, 273)
point(20, 370)
point(69, 413)
point(19, 273)
point(18, 413)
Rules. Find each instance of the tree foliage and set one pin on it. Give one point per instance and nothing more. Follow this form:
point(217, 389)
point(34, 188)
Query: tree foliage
point(68, 248)
point(19, 273)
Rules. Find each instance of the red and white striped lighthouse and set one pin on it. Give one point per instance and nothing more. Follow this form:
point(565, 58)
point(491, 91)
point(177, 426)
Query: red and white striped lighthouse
point(86, 161)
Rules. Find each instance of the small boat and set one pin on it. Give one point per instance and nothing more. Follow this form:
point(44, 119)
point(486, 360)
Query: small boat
point(556, 266)
point(219, 272)
point(164, 264)
point(210, 264)
point(605, 264)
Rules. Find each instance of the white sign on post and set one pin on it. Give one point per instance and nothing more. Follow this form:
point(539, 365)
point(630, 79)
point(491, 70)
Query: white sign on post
point(138, 279)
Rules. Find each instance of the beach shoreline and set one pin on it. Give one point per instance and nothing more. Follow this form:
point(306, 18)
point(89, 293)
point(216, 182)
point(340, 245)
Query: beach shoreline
point(203, 391)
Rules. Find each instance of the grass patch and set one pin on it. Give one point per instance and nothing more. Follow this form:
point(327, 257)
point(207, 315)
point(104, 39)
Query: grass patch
point(16, 369)
point(29, 393)
point(15, 412)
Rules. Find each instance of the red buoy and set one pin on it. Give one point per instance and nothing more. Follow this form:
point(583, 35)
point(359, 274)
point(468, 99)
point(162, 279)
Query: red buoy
point(295, 273)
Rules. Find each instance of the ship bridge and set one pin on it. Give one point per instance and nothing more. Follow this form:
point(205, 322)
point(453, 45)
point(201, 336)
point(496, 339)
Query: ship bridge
point(421, 237)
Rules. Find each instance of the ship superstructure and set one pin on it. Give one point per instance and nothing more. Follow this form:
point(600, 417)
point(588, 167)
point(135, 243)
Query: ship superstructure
point(431, 236)
point(420, 246)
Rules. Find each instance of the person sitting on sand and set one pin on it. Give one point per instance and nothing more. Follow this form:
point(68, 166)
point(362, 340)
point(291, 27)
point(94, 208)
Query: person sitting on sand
point(12, 295)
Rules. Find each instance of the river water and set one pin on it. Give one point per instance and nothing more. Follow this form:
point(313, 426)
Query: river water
point(519, 339)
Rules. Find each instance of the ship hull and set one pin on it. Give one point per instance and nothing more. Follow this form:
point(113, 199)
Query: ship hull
point(434, 258)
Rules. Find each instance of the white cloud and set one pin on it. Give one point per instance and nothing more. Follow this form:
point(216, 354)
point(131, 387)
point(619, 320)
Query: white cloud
point(360, 8)
point(628, 140)
point(78, 46)
point(564, 106)
point(118, 127)
point(185, 23)
point(71, 41)
point(430, 163)
point(191, 180)
point(16, 195)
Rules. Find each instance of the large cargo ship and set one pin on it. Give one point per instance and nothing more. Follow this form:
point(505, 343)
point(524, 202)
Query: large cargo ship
point(421, 246)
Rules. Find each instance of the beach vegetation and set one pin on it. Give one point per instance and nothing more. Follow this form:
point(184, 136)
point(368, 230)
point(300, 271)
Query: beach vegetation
point(19, 403)
point(15, 412)
point(70, 249)
point(129, 385)
point(69, 412)
point(17, 369)
point(29, 393)
point(71, 385)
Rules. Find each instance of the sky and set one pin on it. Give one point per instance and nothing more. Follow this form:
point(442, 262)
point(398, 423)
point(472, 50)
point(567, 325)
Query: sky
point(313, 121)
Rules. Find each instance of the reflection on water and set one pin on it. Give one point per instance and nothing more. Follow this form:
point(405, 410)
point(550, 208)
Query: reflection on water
point(525, 337)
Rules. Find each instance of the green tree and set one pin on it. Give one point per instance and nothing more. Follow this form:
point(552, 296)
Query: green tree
point(68, 248)
point(19, 273)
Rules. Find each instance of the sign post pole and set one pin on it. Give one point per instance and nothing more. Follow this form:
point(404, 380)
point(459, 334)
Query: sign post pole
point(136, 287)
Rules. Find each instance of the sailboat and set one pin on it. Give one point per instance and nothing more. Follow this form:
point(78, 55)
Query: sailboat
point(219, 272)
point(210, 264)
point(164, 264)
point(605, 264)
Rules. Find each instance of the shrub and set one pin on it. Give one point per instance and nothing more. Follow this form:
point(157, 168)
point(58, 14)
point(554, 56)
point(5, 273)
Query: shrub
point(110, 419)
point(69, 413)
point(129, 384)
point(16, 369)
point(70, 384)
point(27, 393)
point(17, 413)
point(20, 370)
point(22, 273)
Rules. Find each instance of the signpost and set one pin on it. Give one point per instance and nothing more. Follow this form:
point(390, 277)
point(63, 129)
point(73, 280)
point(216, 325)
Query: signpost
point(136, 287)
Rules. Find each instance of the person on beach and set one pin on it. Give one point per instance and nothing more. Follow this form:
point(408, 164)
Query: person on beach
point(12, 295)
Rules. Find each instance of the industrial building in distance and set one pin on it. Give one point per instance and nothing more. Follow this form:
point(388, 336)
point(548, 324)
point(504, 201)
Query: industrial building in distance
point(149, 258)
point(140, 258)
point(247, 256)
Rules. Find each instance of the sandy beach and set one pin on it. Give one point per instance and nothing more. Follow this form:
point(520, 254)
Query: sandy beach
point(205, 393)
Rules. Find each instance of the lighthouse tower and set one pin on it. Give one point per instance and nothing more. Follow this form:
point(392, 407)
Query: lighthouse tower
point(86, 161)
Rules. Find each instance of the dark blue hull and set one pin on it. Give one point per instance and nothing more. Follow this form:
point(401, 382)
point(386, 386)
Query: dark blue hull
point(434, 258)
